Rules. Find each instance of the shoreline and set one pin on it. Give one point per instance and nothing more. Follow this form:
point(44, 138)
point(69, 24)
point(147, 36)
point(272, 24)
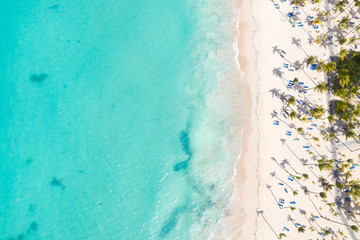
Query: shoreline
point(246, 178)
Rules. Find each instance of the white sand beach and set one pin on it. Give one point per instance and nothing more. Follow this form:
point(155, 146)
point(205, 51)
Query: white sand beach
point(273, 53)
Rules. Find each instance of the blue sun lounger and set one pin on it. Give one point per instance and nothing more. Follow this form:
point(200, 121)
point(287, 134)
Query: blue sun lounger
point(291, 179)
point(315, 125)
point(347, 190)
point(281, 184)
point(306, 147)
point(292, 202)
point(286, 190)
point(286, 229)
point(352, 168)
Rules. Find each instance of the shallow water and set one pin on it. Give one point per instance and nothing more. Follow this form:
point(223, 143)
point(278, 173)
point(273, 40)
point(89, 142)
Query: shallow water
point(109, 127)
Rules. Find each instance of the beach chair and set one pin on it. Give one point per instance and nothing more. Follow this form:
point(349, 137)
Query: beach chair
point(281, 184)
point(293, 202)
point(306, 147)
point(285, 190)
point(286, 229)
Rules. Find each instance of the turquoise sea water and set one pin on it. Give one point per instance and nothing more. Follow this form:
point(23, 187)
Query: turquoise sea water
point(107, 130)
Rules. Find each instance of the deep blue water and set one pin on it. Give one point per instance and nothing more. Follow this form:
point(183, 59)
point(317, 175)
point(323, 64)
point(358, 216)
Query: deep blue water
point(102, 104)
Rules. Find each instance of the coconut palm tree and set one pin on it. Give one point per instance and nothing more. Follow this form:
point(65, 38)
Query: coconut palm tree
point(352, 40)
point(321, 88)
point(350, 133)
point(311, 60)
point(341, 93)
point(329, 67)
point(340, 6)
point(331, 118)
point(354, 187)
point(341, 106)
point(343, 52)
point(344, 78)
point(300, 130)
point(293, 114)
point(323, 195)
point(317, 21)
point(296, 80)
point(344, 23)
point(354, 92)
point(291, 101)
point(299, 2)
point(317, 112)
point(342, 41)
point(301, 230)
point(281, 235)
point(354, 228)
